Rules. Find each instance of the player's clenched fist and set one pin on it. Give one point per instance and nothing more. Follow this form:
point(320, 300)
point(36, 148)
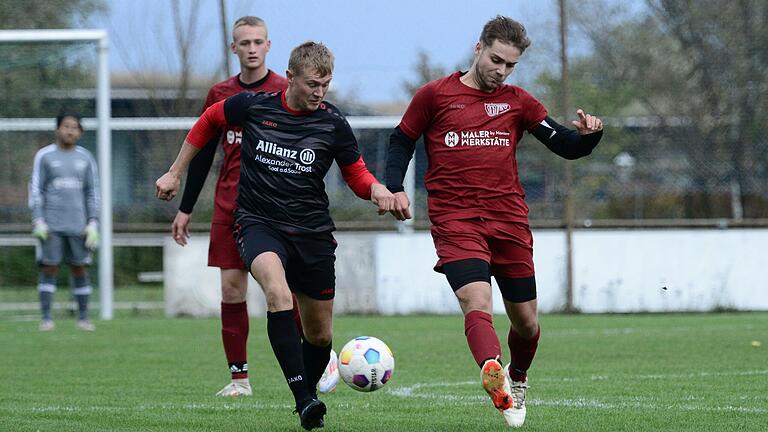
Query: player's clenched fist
point(167, 186)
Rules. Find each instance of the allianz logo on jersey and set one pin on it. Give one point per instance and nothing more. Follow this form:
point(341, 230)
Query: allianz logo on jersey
point(306, 156)
point(494, 109)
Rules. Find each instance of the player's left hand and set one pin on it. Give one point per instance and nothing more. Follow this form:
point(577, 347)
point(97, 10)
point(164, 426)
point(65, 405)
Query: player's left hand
point(91, 235)
point(167, 186)
point(587, 123)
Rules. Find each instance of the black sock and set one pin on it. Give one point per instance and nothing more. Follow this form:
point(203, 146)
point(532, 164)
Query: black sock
point(286, 344)
point(315, 360)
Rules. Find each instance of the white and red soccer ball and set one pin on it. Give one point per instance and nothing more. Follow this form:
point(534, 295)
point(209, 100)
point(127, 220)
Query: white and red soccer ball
point(366, 363)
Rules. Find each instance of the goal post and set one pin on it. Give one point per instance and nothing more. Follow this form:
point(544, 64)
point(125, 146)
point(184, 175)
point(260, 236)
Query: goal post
point(104, 142)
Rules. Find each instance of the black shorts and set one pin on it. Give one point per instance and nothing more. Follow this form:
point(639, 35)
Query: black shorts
point(308, 259)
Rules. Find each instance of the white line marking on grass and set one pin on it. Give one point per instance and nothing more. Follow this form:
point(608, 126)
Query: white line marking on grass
point(164, 407)
point(657, 376)
point(413, 391)
point(623, 331)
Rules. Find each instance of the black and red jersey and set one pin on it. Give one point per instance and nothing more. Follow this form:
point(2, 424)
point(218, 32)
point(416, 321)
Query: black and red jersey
point(284, 158)
point(229, 176)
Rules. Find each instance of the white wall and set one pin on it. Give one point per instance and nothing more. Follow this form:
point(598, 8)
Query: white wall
point(614, 271)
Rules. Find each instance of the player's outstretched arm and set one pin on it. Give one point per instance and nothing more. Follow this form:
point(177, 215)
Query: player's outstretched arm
point(568, 143)
point(167, 186)
point(197, 173)
point(204, 130)
point(399, 154)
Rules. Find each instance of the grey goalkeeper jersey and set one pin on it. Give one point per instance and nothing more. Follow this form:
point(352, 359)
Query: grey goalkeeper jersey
point(64, 189)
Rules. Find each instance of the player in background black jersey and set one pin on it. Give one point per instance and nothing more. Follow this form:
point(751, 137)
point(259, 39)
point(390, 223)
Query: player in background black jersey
point(284, 228)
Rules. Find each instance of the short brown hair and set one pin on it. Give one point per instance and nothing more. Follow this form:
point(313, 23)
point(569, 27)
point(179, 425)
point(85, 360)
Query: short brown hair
point(506, 30)
point(311, 55)
point(248, 21)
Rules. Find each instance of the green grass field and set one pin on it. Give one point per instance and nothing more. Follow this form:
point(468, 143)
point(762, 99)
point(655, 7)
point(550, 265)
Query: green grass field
point(692, 372)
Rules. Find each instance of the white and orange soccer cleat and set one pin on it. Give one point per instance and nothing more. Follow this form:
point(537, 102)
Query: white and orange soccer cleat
point(238, 387)
point(495, 384)
point(330, 376)
point(515, 416)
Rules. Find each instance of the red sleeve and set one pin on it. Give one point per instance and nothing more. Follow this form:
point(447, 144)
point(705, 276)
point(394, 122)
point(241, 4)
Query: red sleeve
point(358, 178)
point(208, 126)
point(419, 114)
point(533, 111)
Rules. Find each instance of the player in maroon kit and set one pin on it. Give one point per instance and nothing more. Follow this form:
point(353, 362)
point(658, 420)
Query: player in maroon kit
point(250, 42)
point(471, 122)
point(284, 227)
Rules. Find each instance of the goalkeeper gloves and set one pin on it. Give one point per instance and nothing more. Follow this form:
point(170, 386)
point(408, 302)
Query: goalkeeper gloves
point(40, 230)
point(91, 235)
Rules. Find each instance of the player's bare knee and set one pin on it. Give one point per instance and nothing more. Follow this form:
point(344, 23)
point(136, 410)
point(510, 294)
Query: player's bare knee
point(528, 328)
point(232, 292)
point(278, 299)
point(469, 304)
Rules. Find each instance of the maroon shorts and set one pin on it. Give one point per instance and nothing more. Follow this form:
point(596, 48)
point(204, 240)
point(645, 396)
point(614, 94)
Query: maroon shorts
point(506, 246)
point(222, 250)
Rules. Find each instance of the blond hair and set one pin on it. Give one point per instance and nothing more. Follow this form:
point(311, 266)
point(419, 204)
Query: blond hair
point(248, 20)
point(311, 56)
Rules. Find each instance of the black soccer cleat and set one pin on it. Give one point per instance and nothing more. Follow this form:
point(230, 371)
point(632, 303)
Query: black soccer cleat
point(311, 415)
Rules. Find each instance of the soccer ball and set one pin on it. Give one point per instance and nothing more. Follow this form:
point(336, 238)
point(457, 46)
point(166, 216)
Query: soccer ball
point(366, 363)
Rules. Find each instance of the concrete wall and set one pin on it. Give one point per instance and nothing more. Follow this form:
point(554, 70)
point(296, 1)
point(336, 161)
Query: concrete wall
point(614, 271)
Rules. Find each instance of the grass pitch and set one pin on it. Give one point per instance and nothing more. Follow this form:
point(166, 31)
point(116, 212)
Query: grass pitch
point(692, 372)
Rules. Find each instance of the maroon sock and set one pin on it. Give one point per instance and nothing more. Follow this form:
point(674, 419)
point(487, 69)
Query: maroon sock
point(297, 316)
point(522, 351)
point(234, 334)
point(481, 336)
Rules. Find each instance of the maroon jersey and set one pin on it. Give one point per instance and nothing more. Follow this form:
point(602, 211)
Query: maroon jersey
point(229, 176)
point(470, 138)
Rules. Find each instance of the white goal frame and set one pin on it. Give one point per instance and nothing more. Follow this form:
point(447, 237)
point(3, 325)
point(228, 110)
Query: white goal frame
point(104, 143)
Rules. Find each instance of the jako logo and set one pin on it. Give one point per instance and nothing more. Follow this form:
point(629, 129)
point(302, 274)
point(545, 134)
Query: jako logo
point(307, 156)
point(451, 139)
point(494, 109)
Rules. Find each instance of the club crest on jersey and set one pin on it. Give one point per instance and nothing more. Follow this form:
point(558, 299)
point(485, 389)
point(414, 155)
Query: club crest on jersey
point(494, 109)
point(451, 139)
point(234, 137)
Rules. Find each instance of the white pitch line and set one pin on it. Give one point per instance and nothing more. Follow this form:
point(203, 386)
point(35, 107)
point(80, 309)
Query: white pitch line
point(173, 407)
point(640, 403)
point(702, 374)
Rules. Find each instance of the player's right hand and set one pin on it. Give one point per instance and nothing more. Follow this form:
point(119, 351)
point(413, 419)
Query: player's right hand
point(167, 186)
point(40, 230)
point(402, 209)
point(180, 228)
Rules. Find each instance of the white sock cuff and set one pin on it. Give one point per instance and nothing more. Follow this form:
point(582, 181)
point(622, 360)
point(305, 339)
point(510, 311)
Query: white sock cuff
point(86, 290)
point(45, 287)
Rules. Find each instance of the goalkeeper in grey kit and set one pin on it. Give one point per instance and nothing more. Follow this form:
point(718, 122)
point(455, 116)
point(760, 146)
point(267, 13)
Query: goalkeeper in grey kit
point(64, 199)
